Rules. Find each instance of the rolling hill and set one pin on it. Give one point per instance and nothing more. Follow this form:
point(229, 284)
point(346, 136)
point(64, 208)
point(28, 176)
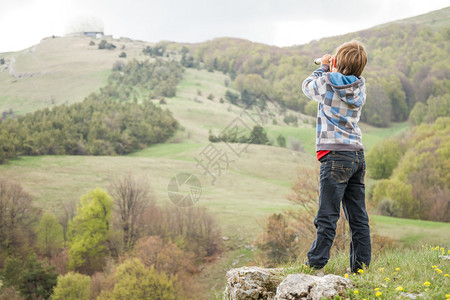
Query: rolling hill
point(67, 69)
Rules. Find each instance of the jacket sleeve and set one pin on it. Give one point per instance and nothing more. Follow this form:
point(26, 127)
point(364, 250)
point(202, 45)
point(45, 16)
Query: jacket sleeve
point(314, 86)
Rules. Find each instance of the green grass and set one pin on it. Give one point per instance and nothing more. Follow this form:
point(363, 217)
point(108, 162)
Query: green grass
point(305, 135)
point(373, 135)
point(174, 150)
point(411, 233)
point(68, 71)
point(391, 273)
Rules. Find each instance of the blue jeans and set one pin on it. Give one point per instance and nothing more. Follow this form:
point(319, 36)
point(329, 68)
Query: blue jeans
point(342, 180)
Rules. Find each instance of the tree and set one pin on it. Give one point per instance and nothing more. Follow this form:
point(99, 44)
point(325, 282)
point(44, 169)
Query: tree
point(17, 219)
point(281, 140)
point(248, 98)
point(89, 231)
point(383, 158)
point(36, 281)
point(311, 108)
point(164, 256)
point(418, 113)
point(68, 210)
point(50, 235)
point(378, 109)
point(192, 229)
point(105, 45)
point(72, 286)
point(278, 239)
point(259, 136)
point(131, 197)
point(133, 280)
point(232, 97)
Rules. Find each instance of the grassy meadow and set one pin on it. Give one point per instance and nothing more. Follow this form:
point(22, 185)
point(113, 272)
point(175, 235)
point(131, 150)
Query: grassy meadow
point(397, 274)
point(251, 185)
point(69, 69)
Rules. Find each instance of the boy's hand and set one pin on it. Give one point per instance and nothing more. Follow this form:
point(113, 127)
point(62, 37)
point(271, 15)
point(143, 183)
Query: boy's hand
point(326, 59)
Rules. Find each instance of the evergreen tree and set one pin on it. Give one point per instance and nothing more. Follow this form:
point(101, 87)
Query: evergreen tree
point(37, 281)
point(259, 136)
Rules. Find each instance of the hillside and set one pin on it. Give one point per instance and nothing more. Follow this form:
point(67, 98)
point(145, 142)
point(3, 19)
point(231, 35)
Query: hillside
point(436, 19)
point(254, 184)
point(57, 71)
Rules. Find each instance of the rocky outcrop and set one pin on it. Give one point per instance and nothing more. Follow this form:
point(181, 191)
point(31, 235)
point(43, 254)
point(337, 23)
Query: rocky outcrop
point(252, 283)
point(259, 283)
point(303, 286)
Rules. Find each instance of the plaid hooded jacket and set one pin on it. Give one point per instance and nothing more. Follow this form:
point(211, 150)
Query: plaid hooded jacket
point(340, 100)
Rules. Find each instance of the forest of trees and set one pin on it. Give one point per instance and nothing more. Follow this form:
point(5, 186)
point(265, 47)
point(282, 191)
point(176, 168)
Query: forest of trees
point(413, 172)
point(408, 64)
point(116, 243)
point(110, 122)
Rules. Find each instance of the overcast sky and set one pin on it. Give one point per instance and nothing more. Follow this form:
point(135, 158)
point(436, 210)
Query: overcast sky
point(24, 23)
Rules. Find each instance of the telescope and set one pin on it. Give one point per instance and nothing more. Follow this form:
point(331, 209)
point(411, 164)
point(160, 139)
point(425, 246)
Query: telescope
point(318, 61)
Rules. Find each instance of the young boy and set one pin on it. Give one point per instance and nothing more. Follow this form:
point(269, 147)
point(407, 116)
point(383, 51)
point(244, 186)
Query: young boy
point(340, 94)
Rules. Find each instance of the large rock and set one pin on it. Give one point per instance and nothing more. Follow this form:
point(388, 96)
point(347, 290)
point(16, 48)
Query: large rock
point(252, 283)
point(259, 283)
point(303, 286)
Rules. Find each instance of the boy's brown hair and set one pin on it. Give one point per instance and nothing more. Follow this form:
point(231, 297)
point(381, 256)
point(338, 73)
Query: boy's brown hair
point(351, 58)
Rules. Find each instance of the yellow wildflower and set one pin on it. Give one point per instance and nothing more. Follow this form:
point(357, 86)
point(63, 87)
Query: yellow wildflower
point(397, 269)
point(448, 251)
point(381, 269)
point(378, 294)
point(346, 275)
point(438, 270)
point(387, 279)
point(361, 271)
point(426, 283)
point(434, 267)
point(377, 289)
point(399, 288)
point(447, 295)
point(436, 248)
point(446, 275)
point(356, 292)
point(394, 273)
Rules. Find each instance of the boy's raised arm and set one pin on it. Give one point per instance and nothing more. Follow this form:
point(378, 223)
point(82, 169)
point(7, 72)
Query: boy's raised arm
point(314, 85)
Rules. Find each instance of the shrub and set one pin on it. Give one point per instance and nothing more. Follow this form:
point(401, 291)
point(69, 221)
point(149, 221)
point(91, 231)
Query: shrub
point(105, 45)
point(281, 140)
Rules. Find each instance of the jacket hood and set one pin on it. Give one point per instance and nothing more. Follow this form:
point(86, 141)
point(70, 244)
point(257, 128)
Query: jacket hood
point(349, 89)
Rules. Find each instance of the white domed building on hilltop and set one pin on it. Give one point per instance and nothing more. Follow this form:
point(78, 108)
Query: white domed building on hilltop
point(90, 26)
